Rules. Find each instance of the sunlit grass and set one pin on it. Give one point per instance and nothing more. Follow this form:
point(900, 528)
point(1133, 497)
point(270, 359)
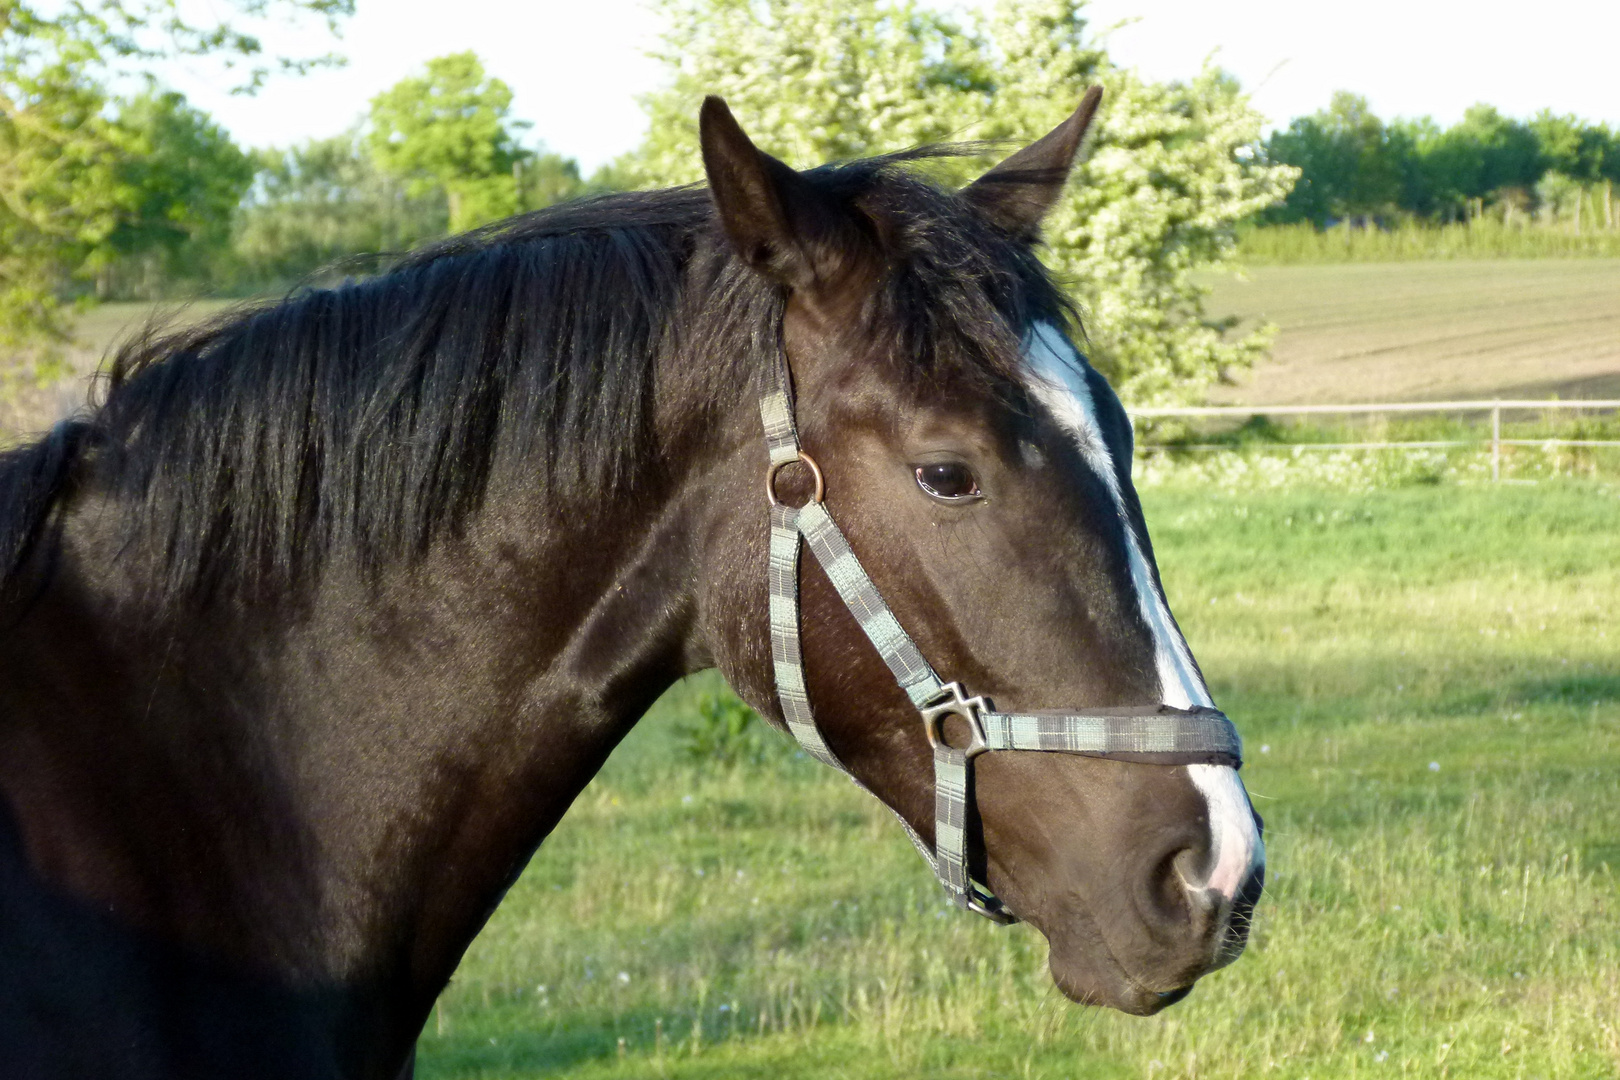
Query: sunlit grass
point(1427, 687)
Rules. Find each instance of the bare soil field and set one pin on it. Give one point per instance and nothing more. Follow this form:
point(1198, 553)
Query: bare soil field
point(1429, 330)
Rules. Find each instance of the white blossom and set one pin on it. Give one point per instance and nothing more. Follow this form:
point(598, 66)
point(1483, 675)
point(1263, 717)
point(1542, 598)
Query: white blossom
point(1170, 169)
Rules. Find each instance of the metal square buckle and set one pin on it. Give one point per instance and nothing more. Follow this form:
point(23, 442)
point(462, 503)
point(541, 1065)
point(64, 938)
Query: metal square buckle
point(952, 700)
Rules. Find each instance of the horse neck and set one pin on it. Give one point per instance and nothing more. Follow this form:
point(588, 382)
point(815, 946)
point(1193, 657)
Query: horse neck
point(341, 794)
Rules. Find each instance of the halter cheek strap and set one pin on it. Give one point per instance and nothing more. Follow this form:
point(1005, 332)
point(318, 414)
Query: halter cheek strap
point(1159, 734)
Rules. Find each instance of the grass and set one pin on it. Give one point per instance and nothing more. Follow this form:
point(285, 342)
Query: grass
point(1430, 330)
point(1431, 703)
point(1483, 238)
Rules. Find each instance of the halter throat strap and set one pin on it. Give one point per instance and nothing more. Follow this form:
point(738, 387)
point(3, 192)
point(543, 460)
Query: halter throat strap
point(1159, 734)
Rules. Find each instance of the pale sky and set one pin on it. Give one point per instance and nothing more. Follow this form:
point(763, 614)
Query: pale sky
point(576, 66)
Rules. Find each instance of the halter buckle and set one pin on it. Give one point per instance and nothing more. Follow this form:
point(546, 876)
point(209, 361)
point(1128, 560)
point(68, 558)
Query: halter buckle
point(952, 700)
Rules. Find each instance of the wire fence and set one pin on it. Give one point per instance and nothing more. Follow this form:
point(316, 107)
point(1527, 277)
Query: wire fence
point(1495, 408)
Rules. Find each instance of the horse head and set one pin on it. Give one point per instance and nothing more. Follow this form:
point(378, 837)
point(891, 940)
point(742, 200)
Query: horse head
point(980, 468)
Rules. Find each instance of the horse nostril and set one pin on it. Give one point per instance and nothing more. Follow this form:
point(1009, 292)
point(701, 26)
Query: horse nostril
point(1175, 899)
point(1192, 868)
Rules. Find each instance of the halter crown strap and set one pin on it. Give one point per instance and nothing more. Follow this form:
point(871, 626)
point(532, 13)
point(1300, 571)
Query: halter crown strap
point(1160, 734)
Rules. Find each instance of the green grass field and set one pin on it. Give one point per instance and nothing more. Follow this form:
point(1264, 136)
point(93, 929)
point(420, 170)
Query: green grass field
point(1431, 702)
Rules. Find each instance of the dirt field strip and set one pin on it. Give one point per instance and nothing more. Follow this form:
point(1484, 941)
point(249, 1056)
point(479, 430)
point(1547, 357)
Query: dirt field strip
point(1430, 330)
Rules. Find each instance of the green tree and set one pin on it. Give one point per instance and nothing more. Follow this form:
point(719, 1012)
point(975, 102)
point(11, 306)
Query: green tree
point(183, 179)
point(1172, 168)
point(1566, 144)
point(1349, 165)
point(1507, 154)
point(68, 166)
point(546, 177)
point(322, 204)
point(450, 130)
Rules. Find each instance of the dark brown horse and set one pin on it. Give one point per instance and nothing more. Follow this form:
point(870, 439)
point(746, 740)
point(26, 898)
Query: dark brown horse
point(314, 628)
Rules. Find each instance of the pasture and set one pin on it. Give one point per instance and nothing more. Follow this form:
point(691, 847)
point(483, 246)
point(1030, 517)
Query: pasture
point(1429, 330)
point(1431, 703)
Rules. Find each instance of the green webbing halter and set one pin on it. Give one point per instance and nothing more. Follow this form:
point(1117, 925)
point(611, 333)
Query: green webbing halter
point(1158, 733)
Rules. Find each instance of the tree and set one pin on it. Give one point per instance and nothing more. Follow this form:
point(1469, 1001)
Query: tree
point(546, 177)
point(183, 178)
point(450, 130)
point(1172, 168)
point(1507, 153)
point(321, 204)
point(819, 80)
point(1348, 163)
point(66, 160)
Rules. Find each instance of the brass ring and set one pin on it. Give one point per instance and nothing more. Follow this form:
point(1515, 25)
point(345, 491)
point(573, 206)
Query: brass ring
point(776, 467)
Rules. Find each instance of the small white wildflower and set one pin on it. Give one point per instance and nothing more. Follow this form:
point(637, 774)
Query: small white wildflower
point(624, 978)
point(1265, 748)
point(1434, 766)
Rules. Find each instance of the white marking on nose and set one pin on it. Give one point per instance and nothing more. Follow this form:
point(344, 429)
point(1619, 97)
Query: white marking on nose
point(1060, 385)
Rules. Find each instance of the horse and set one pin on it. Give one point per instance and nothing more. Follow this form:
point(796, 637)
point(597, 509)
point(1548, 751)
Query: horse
point(314, 625)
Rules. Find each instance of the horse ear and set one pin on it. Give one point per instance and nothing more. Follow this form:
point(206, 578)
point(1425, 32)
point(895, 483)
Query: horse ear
point(1018, 193)
point(777, 222)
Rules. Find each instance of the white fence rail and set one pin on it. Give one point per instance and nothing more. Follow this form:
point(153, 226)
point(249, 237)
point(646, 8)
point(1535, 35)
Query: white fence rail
point(1495, 408)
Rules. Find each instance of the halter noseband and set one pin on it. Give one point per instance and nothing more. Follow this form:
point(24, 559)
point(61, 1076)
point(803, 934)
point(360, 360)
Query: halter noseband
point(1160, 734)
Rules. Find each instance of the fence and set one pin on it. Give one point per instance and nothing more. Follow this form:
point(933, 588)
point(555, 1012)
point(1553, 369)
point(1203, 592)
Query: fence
point(1495, 408)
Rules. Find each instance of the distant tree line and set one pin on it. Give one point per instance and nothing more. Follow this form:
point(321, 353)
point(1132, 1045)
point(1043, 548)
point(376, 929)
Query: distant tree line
point(440, 152)
point(1355, 167)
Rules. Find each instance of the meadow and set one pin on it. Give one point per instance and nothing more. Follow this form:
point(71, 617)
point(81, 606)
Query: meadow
point(1431, 705)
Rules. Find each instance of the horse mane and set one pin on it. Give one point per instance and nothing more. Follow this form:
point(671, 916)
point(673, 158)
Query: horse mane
point(367, 418)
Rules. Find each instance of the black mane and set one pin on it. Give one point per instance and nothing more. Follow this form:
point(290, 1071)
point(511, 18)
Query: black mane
point(366, 419)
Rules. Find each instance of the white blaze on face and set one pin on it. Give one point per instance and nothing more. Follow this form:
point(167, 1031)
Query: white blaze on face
point(1060, 385)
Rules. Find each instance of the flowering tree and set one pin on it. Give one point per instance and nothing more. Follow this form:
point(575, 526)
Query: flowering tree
point(1170, 172)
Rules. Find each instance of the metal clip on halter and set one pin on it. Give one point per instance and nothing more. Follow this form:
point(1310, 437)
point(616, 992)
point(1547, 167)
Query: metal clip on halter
point(952, 700)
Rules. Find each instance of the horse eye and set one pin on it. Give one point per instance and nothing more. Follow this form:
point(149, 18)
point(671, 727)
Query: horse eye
point(948, 480)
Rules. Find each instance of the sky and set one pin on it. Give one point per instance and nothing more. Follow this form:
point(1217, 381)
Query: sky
point(576, 67)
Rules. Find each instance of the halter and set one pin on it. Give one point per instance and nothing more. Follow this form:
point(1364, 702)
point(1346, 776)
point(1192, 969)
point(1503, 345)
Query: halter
point(1160, 734)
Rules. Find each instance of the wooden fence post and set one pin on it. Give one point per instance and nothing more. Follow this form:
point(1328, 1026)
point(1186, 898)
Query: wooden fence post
point(1496, 441)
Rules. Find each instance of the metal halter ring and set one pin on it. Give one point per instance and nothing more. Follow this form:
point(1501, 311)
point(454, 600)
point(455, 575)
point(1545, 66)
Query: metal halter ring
point(776, 468)
point(957, 704)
